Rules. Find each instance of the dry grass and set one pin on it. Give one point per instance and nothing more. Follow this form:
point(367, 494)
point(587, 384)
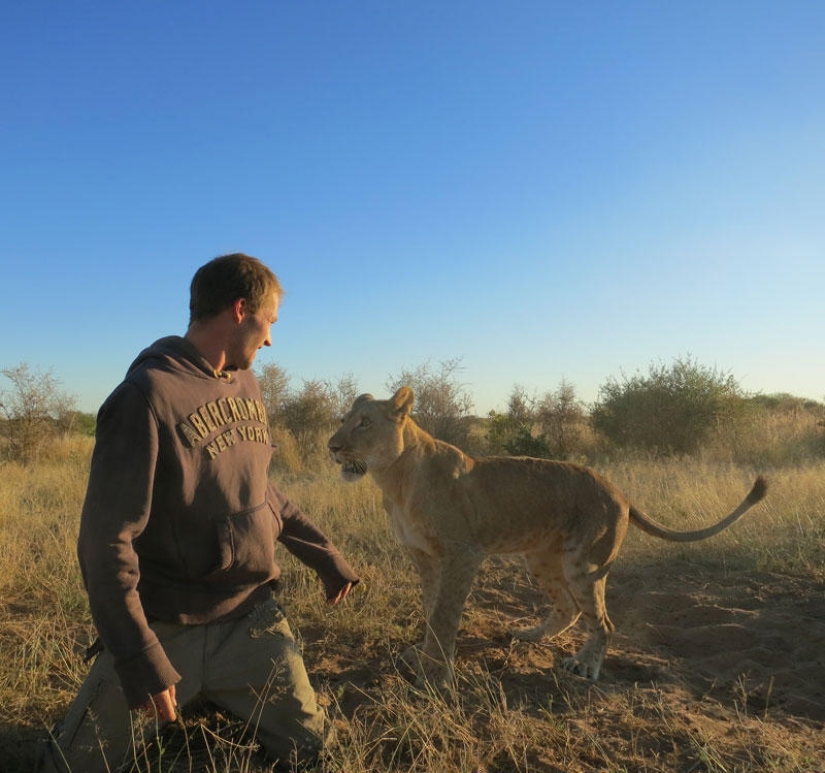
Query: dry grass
point(512, 711)
point(785, 534)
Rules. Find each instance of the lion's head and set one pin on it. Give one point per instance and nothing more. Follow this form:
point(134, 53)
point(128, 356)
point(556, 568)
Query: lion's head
point(371, 435)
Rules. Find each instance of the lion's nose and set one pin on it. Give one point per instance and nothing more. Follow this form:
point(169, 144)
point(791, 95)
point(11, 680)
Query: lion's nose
point(333, 446)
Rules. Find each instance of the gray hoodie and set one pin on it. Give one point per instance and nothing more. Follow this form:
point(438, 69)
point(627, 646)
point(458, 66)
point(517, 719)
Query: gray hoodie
point(180, 520)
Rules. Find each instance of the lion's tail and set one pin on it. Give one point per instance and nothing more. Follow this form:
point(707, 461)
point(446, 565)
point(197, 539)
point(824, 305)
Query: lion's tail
point(648, 525)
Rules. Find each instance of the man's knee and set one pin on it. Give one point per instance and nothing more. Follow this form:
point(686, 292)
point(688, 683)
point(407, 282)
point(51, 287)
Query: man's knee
point(96, 731)
point(50, 758)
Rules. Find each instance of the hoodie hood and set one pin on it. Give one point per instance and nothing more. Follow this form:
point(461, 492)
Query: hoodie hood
point(175, 353)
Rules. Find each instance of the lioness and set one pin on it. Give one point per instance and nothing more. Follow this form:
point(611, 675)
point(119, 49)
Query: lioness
point(451, 510)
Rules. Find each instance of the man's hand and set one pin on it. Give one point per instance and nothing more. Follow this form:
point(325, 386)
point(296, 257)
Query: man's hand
point(163, 705)
point(342, 594)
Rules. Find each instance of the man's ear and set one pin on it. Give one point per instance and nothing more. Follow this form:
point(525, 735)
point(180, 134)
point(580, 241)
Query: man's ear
point(239, 309)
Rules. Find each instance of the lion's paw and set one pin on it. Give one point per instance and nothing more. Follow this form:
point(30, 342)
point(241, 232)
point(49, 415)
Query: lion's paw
point(428, 671)
point(410, 658)
point(581, 668)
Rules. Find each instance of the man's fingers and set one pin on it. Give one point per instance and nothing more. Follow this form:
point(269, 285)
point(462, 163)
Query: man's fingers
point(166, 703)
point(342, 594)
point(161, 705)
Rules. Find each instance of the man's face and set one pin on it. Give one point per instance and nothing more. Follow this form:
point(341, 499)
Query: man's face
point(253, 333)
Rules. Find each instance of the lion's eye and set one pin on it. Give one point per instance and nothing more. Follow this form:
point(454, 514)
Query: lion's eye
point(365, 423)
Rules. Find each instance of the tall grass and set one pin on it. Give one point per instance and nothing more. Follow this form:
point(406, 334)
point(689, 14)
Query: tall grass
point(44, 618)
point(785, 534)
point(495, 720)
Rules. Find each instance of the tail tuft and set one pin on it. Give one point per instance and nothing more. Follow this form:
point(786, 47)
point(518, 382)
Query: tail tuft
point(760, 488)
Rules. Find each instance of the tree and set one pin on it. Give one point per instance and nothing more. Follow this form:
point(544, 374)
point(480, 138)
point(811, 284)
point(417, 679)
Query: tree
point(274, 383)
point(442, 405)
point(550, 427)
point(311, 409)
point(35, 410)
point(672, 410)
point(512, 432)
point(311, 413)
point(79, 423)
point(561, 420)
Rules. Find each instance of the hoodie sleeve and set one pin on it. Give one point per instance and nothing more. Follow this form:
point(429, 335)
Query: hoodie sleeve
point(115, 512)
point(308, 544)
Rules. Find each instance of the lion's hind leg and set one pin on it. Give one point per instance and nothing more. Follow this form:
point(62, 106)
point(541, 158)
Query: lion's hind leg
point(587, 588)
point(546, 569)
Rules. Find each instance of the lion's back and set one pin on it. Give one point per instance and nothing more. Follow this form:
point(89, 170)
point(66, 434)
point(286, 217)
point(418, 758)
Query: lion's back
point(508, 504)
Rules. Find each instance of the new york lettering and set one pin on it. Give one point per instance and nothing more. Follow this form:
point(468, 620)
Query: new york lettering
point(217, 415)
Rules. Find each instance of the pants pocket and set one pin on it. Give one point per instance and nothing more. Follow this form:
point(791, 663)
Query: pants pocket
point(268, 618)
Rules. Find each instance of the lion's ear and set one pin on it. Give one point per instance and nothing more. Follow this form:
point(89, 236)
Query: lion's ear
point(362, 399)
point(402, 401)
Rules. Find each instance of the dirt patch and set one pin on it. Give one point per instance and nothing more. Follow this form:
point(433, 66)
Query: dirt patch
point(703, 662)
point(758, 638)
point(754, 638)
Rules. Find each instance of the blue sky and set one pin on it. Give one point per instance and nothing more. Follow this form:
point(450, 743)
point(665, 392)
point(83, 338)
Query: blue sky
point(545, 190)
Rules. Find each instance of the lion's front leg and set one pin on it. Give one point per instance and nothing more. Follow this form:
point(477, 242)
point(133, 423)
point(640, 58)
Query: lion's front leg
point(433, 658)
point(429, 575)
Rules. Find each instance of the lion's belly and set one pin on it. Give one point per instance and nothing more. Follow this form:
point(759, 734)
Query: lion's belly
point(517, 542)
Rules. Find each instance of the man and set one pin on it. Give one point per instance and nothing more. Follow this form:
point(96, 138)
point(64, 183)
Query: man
point(177, 540)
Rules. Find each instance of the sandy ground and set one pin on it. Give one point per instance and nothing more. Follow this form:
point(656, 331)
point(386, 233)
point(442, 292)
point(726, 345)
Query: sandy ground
point(758, 636)
point(721, 651)
point(754, 636)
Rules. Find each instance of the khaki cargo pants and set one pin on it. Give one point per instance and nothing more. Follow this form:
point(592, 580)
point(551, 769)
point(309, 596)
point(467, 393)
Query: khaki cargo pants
point(250, 667)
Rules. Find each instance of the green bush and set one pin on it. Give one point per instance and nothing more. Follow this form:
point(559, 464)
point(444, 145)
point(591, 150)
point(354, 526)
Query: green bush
point(672, 410)
point(551, 427)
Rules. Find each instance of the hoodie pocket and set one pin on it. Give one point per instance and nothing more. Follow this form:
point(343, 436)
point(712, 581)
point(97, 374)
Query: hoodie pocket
point(246, 545)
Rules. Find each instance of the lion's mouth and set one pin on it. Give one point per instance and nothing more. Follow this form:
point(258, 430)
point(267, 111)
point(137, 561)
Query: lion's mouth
point(353, 470)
